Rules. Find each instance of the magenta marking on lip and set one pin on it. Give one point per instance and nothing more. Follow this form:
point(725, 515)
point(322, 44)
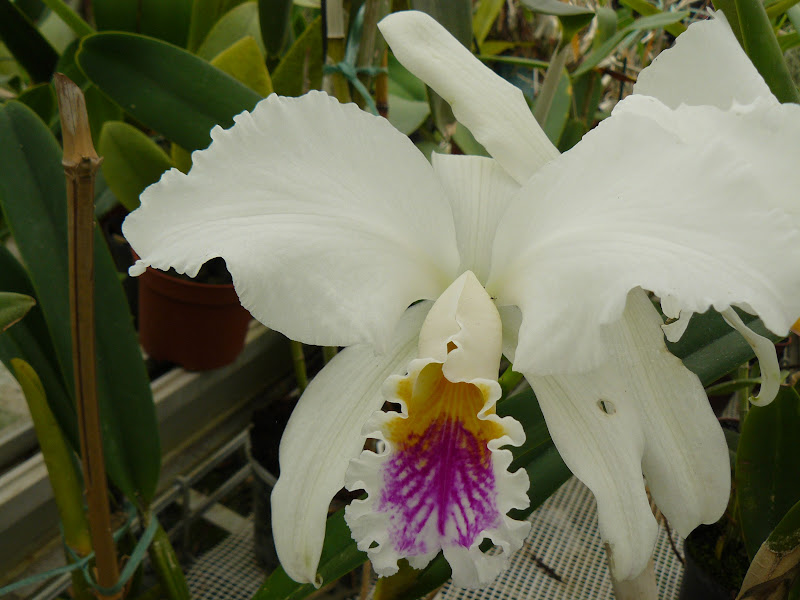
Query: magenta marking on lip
point(442, 478)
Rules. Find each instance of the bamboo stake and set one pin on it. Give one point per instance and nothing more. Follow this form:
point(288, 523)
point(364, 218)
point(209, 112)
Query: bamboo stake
point(80, 168)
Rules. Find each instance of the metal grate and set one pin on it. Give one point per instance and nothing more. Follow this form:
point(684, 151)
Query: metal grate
point(563, 559)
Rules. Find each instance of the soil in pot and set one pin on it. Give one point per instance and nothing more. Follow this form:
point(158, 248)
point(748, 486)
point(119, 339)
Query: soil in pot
point(705, 576)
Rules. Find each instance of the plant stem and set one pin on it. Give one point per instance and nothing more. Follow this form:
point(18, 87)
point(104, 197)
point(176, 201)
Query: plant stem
point(336, 49)
point(80, 168)
point(299, 362)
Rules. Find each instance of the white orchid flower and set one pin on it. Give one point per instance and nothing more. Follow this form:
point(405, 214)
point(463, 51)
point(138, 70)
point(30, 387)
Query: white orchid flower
point(334, 226)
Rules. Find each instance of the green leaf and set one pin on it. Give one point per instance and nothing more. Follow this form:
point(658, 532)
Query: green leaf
point(205, 13)
point(164, 87)
point(274, 17)
point(606, 24)
point(484, 18)
point(245, 62)
point(711, 348)
point(339, 556)
point(236, 24)
point(304, 56)
point(34, 207)
point(408, 101)
point(13, 307)
point(30, 340)
point(776, 9)
point(100, 109)
point(761, 45)
point(597, 54)
point(560, 105)
point(572, 18)
point(644, 8)
point(767, 462)
point(166, 20)
point(25, 43)
point(41, 98)
point(64, 477)
point(131, 161)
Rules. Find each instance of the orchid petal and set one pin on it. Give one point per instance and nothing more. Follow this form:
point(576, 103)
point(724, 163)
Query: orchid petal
point(479, 191)
point(494, 110)
point(642, 410)
point(442, 481)
point(767, 358)
point(664, 201)
point(323, 434)
point(311, 204)
point(705, 66)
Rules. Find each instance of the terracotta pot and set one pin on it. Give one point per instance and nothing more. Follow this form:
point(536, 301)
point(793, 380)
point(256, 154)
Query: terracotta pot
point(199, 326)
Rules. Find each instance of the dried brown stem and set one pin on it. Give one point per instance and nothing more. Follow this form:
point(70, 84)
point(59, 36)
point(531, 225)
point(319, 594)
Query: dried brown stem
point(80, 169)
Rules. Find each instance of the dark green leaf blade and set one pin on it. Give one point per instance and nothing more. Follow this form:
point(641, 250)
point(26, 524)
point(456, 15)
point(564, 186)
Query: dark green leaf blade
point(25, 43)
point(166, 88)
point(761, 45)
point(34, 206)
point(13, 307)
point(767, 461)
point(166, 20)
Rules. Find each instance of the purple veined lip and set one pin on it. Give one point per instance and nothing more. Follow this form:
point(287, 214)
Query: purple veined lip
point(439, 481)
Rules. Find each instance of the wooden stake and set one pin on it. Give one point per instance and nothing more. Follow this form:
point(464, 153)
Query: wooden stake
point(80, 169)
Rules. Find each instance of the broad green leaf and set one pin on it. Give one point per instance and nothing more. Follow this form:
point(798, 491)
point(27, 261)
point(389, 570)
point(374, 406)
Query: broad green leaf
point(573, 18)
point(606, 24)
point(463, 138)
point(711, 348)
point(339, 556)
point(34, 207)
point(13, 307)
point(131, 161)
point(205, 13)
point(274, 17)
point(407, 115)
point(560, 106)
point(789, 41)
point(30, 340)
point(767, 464)
point(238, 23)
point(25, 43)
point(761, 45)
point(484, 18)
point(164, 87)
point(41, 98)
point(166, 20)
point(403, 83)
point(303, 62)
point(644, 8)
point(244, 61)
point(100, 109)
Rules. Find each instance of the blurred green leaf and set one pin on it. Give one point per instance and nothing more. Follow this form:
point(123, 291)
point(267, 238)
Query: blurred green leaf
point(789, 41)
point(245, 62)
point(238, 23)
point(131, 161)
point(205, 13)
point(606, 24)
point(41, 98)
point(761, 45)
point(166, 20)
point(599, 53)
point(34, 207)
point(573, 18)
point(164, 87)
point(767, 462)
point(776, 9)
point(25, 43)
point(644, 8)
point(13, 307)
point(274, 17)
point(484, 18)
point(408, 101)
point(560, 105)
point(300, 69)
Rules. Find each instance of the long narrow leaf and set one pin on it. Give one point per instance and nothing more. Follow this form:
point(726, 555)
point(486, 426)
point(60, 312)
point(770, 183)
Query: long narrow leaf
point(25, 43)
